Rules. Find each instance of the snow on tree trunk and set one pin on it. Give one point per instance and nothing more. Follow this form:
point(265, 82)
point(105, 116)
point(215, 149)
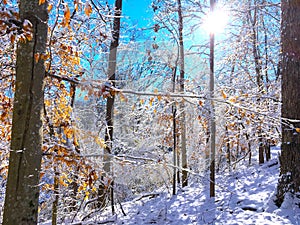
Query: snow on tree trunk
point(290, 155)
point(182, 105)
point(112, 63)
point(22, 190)
point(212, 109)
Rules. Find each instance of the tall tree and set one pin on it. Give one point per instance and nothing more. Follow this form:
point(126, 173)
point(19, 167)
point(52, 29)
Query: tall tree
point(174, 132)
point(212, 108)
point(290, 61)
point(181, 81)
point(252, 20)
point(22, 190)
point(112, 63)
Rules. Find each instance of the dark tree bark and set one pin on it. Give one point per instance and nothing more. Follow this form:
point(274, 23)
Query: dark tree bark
point(252, 20)
point(212, 108)
point(22, 190)
point(56, 196)
point(174, 132)
point(290, 61)
point(112, 63)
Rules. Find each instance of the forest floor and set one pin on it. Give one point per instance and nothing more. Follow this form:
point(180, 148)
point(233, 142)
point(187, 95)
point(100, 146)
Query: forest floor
point(244, 196)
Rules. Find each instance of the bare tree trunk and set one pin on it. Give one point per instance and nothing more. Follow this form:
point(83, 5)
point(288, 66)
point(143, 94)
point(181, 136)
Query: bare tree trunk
point(290, 155)
point(212, 108)
point(267, 144)
point(258, 70)
point(227, 147)
point(266, 51)
point(22, 190)
point(74, 185)
point(112, 63)
point(182, 105)
point(256, 55)
point(174, 132)
point(268, 150)
point(56, 196)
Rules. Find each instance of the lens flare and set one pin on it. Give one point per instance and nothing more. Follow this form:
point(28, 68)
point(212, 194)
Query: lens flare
point(216, 21)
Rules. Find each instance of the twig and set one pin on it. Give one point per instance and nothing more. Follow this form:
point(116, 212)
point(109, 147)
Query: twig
point(121, 208)
point(98, 11)
point(73, 81)
point(151, 195)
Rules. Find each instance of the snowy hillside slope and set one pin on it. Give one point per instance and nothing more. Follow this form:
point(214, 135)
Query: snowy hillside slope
point(244, 196)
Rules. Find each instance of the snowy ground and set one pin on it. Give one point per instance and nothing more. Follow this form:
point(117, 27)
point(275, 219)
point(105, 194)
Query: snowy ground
point(244, 196)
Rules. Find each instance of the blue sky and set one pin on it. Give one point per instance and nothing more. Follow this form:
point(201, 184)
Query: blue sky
point(138, 10)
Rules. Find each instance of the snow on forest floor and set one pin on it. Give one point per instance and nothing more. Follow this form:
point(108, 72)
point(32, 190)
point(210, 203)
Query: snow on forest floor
point(244, 196)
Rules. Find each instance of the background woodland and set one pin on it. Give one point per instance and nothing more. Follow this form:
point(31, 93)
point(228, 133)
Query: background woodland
point(96, 110)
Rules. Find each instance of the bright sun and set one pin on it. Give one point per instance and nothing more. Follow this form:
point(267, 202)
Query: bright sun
point(216, 22)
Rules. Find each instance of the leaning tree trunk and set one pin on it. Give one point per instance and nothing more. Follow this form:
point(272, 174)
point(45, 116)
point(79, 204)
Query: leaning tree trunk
point(290, 154)
point(22, 190)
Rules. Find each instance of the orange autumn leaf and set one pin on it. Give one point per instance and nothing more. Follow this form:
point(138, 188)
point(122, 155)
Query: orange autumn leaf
point(76, 61)
point(151, 101)
point(94, 189)
point(86, 195)
point(88, 9)
point(47, 102)
point(12, 38)
point(76, 3)
point(50, 6)
point(42, 174)
point(68, 132)
point(47, 187)
point(37, 57)
point(3, 115)
point(122, 97)
point(75, 141)
point(28, 36)
point(45, 56)
point(223, 94)
point(100, 142)
point(67, 15)
point(62, 182)
point(233, 99)
point(41, 2)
